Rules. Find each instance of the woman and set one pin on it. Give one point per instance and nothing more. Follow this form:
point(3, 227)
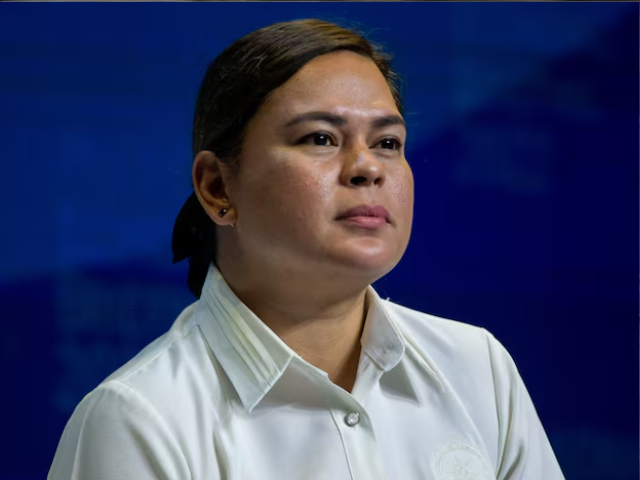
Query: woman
point(290, 366)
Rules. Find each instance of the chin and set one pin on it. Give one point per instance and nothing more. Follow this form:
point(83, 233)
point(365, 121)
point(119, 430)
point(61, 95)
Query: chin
point(369, 258)
point(369, 264)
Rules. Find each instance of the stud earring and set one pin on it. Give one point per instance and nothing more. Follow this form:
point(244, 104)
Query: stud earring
point(223, 212)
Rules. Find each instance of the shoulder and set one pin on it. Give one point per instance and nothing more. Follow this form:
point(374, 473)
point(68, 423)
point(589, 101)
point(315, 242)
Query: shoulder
point(456, 349)
point(175, 376)
point(440, 335)
point(114, 428)
point(152, 405)
point(166, 354)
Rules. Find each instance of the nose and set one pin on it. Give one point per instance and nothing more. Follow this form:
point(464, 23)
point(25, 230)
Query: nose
point(362, 168)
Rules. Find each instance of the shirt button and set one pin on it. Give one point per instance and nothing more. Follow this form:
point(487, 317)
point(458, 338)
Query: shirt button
point(352, 419)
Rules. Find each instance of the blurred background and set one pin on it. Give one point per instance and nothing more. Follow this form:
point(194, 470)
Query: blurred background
point(523, 139)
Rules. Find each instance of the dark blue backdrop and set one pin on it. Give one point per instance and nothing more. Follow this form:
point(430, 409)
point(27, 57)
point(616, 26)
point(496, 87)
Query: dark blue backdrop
point(523, 141)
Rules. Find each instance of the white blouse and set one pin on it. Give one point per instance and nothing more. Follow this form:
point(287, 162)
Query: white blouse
point(220, 396)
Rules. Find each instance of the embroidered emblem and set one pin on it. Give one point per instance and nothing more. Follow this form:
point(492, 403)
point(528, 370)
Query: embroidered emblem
point(458, 461)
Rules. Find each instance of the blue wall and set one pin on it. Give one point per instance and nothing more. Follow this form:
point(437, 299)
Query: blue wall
point(523, 141)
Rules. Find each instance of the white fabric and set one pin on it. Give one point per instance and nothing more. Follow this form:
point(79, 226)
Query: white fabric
point(220, 396)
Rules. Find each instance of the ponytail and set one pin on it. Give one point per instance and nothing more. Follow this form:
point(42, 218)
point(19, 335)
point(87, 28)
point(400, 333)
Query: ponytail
point(194, 237)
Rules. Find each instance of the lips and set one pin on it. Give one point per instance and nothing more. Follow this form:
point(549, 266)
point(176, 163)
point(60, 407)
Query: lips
point(365, 211)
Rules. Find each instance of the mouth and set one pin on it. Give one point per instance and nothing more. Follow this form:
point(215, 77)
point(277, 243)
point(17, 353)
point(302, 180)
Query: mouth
point(370, 217)
point(368, 223)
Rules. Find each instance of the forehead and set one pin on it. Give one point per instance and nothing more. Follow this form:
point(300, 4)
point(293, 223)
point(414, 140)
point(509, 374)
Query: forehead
point(340, 82)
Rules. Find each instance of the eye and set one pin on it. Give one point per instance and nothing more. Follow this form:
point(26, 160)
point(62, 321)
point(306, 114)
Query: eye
point(390, 144)
point(319, 139)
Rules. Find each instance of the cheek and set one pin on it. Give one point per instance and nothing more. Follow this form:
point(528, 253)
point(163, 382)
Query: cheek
point(307, 196)
point(290, 197)
point(402, 190)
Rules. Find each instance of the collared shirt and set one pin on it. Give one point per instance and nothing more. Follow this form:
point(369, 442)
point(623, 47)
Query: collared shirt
point(221, 396)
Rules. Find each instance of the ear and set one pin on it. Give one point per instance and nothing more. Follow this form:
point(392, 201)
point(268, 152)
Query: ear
point(208, 176)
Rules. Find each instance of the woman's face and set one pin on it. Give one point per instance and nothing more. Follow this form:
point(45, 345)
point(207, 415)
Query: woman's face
point(328, 140)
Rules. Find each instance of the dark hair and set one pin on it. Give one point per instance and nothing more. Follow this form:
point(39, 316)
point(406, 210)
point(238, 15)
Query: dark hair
point(235, 85)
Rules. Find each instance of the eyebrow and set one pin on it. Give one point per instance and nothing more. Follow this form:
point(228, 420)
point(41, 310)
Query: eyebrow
point(339, 121)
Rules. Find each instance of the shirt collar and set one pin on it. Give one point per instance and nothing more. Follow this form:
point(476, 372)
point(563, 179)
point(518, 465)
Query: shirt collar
point(254, 357)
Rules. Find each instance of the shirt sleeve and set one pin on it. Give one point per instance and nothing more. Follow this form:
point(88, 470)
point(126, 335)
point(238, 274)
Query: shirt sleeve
point(116, 434)
point(524, 449)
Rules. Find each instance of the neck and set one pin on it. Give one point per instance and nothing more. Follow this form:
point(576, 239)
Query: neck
point(321, 321)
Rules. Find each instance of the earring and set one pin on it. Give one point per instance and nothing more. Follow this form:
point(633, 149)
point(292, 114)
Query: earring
point(223, 212)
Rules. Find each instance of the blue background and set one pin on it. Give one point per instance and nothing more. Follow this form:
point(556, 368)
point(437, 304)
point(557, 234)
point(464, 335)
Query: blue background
point(523, 142)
